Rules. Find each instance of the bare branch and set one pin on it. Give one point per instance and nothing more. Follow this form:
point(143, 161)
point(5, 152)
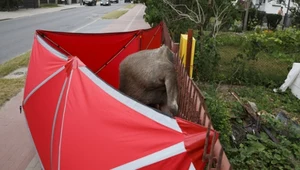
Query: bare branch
point(193, 16)
point(198, 15)
point(200, 11)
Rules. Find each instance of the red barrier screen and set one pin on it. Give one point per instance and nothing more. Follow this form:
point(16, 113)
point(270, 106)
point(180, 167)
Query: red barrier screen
point(103, 52)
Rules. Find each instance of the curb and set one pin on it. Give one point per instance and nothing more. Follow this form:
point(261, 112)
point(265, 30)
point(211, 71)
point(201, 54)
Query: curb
point(4, 19)
point(68, 8)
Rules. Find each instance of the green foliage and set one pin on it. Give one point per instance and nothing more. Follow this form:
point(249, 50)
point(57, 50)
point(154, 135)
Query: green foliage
point(262, 153)
point(296, 16)
point(157, 11)
point(206, 61)
point(8, 5)
point(262, 58)
point(255, 151)
point(269, 101)
point(220, 116)
point(230, 39)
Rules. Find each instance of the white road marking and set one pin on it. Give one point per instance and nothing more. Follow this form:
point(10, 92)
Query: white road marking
point(126, 29)
point(86, 25)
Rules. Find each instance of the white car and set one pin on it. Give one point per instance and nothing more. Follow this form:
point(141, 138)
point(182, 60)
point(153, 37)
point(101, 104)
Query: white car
point(104, 2)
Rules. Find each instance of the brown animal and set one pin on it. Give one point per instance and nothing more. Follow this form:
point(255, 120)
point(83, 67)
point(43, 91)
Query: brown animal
point(149, 77)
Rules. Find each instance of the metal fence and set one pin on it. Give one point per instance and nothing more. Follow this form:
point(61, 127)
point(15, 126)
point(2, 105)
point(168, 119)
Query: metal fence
point(192, 107)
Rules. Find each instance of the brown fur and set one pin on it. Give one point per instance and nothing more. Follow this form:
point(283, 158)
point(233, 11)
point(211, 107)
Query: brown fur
point(149, 77)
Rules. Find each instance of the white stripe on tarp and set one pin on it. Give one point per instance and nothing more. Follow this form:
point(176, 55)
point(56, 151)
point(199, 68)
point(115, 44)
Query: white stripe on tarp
point(138, 107)
point(42, 83)
point(154, 157)
point(54, 120)
point(52, 50)
point(63, 119)
point(42, 166)
point(192, 167)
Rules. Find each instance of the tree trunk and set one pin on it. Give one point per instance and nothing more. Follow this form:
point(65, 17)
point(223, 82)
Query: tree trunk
point(246, 15)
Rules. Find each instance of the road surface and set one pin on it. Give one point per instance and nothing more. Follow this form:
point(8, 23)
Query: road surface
point(16, 35)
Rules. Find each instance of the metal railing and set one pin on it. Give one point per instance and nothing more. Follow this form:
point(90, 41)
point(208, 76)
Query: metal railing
point(192, 107)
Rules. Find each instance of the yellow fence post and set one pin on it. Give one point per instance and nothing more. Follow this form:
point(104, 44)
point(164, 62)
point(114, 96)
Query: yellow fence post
point(183, 52)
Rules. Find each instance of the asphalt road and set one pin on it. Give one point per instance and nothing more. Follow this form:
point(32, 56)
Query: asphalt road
point(16, 35)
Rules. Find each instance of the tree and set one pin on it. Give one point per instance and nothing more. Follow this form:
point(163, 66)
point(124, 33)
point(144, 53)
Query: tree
point(200, 13)
point(9, 5)
point(157, 11)
point(296, 14)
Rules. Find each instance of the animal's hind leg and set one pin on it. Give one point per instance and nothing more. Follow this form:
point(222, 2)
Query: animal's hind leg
point(172, 92)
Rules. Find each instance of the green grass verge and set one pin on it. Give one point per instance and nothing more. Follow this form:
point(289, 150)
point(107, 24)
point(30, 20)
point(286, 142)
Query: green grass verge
point(114, 14)
point(49, 5)
point(13, 64)
point(266, 67)
point(129, 6)
point(11, 87)
point(270, 101)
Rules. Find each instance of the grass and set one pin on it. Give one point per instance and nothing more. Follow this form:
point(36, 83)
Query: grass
point(114, 14)
point(266, 66)
point(270, 101)
point(13, 64)
point(49, 5)
point(129, 6)
point(11, 87)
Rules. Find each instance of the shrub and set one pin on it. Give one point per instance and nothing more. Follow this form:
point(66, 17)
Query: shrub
point(296, 17)
point(260, 152)
point(206, 62)
point(220, 115)
point(8, 5)
point(262, 58)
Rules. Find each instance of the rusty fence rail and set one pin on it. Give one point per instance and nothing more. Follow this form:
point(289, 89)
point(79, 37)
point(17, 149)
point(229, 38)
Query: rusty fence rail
point(192, 107)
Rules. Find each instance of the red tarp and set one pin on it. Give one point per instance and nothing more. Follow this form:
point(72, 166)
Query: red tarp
point(80, 121)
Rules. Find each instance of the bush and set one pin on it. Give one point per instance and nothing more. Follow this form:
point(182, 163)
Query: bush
point(220, 115)
point(206, 62)
point(296, 17)
point(260, 152)
point(8, 5)
point(156, 11)
point(248, 150)
point(261, 58)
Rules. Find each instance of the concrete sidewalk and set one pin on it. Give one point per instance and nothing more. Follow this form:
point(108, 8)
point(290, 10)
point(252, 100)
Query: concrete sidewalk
point(34, 11)
point(131, 20)
point(17, 151)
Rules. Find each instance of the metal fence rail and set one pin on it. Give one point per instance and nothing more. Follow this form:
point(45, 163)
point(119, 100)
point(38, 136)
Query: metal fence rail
point(192, 107)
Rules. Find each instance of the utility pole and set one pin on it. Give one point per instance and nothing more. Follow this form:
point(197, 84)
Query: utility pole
point(248, 2)
point(286, 16)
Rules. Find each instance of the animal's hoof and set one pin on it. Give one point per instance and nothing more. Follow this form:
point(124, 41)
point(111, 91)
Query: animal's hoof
point(174, 110)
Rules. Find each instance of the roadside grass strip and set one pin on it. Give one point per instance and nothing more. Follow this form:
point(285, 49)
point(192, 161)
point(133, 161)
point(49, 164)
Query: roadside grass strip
point(114, 14)
point(11, 87)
